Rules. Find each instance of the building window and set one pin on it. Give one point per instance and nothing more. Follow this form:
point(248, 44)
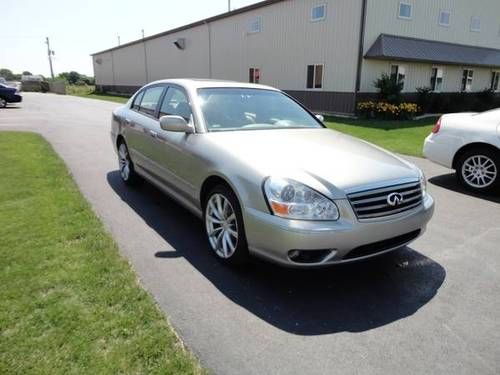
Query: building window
point(405, 10)
point(318, 13)
point(254, 75)
point(444, 18)
point(398, 74)
point(475, 24)
point(467, 79)
point(315, 76)
point(495, 80)
point(255, 25)
point(437, 79)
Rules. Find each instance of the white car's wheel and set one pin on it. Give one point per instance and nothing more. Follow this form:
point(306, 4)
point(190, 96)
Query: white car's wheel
point(224, 226)
point(479, 170)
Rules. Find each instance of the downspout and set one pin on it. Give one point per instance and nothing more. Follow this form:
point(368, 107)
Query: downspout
point(113, 69)
point(361, 49)
point(145, 60)
point(209, 28)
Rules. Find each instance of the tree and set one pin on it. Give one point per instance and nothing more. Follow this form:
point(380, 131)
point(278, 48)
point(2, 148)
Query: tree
point(27, 73)
point(7, 74)
point(73, 77)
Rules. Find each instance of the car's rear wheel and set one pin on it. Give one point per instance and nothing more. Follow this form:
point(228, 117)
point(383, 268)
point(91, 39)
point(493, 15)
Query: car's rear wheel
point(127, 171)
point(3, 103)
point(479, 170)
point(224, 226)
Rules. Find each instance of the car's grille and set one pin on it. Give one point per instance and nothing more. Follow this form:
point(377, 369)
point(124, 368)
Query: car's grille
point(375, 203)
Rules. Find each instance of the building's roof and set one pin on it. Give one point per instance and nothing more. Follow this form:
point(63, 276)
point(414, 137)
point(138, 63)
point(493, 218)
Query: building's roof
point(391, 47)
point(197, 23)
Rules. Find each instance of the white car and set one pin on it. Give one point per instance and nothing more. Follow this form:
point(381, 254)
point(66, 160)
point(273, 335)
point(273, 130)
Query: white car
point(470, 144)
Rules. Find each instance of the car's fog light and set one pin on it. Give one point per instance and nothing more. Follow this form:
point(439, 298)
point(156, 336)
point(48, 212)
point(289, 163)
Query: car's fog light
point(310, 256)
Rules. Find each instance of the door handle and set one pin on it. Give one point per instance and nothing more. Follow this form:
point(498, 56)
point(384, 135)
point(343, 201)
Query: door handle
point(153, 134)
point(129, 122)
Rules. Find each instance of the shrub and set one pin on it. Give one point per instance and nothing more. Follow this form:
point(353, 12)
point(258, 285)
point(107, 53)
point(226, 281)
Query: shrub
point(387, 111)
point(389, 90)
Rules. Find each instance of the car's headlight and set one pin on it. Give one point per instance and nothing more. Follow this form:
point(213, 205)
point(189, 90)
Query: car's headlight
point(423, 183)
point(293, 200)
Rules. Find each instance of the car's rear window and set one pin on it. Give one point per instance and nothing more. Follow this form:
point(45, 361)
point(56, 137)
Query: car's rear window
point(230, 109)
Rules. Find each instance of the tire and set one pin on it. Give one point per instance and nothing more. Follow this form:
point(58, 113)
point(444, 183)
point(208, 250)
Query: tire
point(127, 172)
point(3, 103)
point(478, 170)
point(223, 219)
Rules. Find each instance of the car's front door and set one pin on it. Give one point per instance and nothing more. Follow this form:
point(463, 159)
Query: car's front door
point(143, 126)
point(172, 150)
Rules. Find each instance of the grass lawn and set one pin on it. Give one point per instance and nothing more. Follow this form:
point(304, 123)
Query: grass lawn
point(404, 137)
point(88, 92)
point(69, 303)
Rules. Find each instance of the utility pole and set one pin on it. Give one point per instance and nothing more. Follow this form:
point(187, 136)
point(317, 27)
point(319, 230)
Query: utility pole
point(142, 31)
point(228, 5)
point(50, 53)
point(118, 39)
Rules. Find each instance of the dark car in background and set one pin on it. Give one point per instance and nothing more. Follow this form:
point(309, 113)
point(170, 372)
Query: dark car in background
point(9, 95)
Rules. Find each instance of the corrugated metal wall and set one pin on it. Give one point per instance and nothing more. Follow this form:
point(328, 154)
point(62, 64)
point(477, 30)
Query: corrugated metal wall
point(288, 42)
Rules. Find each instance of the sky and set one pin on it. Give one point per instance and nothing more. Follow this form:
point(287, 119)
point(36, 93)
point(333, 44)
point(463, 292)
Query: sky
point(77, 29)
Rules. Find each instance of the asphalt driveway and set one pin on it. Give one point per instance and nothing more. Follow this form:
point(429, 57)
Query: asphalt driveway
point(430, 308)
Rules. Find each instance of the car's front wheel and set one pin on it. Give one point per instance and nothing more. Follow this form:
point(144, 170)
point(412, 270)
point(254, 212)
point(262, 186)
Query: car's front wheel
point(479, 170)
point(127, 171)
point(3, 103)
point(224, 226)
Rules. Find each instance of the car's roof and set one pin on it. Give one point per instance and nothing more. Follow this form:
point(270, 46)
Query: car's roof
point(195, 83)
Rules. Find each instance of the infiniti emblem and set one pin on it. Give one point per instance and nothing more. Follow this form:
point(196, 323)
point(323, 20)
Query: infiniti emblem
point(394, 199)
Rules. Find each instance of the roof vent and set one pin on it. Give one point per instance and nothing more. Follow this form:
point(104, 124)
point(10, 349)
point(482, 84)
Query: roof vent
point(180, 43)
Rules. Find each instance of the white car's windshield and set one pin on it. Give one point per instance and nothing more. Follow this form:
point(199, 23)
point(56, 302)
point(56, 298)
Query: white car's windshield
point(229, 109)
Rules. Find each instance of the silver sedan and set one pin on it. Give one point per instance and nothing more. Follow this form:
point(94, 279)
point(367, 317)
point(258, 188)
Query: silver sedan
point(266, 176)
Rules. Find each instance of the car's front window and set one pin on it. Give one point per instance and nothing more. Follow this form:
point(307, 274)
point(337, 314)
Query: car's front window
point(230, 109)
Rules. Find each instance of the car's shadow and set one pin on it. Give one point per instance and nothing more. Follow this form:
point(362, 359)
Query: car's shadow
point(353, 298)
point(449, 181)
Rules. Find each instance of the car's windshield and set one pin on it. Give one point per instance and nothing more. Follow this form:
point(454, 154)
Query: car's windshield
point(226, 109)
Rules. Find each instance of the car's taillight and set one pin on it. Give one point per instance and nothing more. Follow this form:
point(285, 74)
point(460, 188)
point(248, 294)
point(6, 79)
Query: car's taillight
point(437, 127)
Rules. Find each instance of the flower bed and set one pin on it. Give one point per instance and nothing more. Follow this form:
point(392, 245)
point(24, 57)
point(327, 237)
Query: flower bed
point(387, 111)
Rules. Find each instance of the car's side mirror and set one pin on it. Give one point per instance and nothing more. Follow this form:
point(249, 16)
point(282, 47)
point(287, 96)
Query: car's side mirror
point(320, 118)
point(176, 124)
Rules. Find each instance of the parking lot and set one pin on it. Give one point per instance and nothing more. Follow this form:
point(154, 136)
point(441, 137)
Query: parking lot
point(429, 308)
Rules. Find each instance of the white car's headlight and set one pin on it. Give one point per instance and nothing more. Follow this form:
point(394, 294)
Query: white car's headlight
point(423, 183)
point(293, 200)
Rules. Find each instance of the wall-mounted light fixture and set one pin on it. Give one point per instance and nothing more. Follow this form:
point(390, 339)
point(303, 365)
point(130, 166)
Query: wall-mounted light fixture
point(180, 43)
point(98, 61)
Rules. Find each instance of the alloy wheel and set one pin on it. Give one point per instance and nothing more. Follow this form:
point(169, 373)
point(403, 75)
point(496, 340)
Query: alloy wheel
point(124, 162)
point(221, 225)
point(479, 171)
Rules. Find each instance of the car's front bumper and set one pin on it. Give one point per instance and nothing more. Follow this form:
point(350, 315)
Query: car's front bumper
point(14, 98)
point(272, 237)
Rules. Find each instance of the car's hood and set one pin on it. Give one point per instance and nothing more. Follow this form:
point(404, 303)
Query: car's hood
point(315, 156)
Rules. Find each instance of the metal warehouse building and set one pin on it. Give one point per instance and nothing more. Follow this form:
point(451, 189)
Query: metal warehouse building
point(326, 53)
